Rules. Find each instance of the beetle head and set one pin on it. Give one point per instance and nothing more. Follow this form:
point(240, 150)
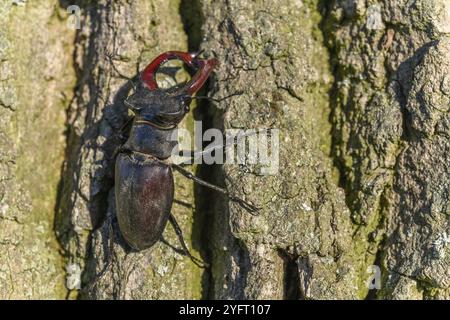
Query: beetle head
point(166, 108)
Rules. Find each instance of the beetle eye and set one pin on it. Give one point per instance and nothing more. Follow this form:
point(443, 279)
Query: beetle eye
point(131, 106)
point(186, 101)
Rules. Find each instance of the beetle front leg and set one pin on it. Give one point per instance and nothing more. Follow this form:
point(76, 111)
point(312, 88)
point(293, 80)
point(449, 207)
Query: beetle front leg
point(193, 156)
point(122, 138)
point(121, 75)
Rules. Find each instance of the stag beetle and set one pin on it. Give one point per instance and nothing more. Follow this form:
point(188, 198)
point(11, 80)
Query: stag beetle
point(144, 185)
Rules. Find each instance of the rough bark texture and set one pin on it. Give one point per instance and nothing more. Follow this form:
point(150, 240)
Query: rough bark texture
point(278, 48)
point(359, 89)
point(390, 128)
point(36, 80)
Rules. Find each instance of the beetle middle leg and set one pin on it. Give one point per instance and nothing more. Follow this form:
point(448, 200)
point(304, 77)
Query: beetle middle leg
point(246, 205)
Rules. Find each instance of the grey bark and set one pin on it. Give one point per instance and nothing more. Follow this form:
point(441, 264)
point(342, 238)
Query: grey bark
point(277, 47)
point(360, 92)
point(390, 124)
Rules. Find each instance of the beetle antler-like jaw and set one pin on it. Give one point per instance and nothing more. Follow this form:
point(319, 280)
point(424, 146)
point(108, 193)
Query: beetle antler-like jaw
point(204, 67)
point(198, 80)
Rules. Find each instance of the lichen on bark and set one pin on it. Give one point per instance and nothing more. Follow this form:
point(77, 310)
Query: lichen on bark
point(278, 49)
point(36, 80)
point(392, 164)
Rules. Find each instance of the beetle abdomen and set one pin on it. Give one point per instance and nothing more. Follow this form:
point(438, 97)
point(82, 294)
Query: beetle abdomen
point(144, 193)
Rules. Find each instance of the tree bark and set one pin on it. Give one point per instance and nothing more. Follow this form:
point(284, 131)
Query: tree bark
point(360, 93)
point(36, 81)
point(390, 129)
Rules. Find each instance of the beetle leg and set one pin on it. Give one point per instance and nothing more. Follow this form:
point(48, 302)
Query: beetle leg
point(122, 138)
point(179, 234)
point(125, 127)
point(209, 150)
point(121, 75)
point(246, 205)
point(109, 258)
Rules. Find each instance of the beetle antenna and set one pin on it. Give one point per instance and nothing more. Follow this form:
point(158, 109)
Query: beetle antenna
point(179, 234)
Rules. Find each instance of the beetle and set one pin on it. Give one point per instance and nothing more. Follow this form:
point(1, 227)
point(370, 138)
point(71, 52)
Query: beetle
point(144, 185)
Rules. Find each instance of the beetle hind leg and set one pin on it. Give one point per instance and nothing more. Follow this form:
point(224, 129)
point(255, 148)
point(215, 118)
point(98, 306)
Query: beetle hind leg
point(108, 263)
point(186, 251)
